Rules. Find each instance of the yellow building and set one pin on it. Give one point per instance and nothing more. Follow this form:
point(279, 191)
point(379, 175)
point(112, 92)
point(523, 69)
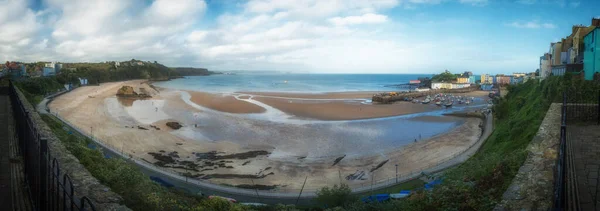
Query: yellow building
point(578, 33)
point(555, 51)
point(486, 79)
point(462, 80)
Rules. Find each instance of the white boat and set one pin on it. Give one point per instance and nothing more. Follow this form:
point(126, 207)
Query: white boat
point(254, 204)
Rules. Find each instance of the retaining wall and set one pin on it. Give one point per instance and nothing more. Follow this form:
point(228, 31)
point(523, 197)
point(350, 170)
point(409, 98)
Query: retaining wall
point(533, 186)
point(83, 182)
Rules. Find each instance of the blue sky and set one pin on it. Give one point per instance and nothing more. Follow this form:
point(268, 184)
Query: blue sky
point(320, 36)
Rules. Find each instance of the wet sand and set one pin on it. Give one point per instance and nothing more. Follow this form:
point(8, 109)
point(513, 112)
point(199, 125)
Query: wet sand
point(327, 95)
point(115, 123)
point(340, 110)
point(224, 103)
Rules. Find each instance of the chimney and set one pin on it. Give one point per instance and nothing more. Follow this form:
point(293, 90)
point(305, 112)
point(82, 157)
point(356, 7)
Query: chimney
point(595, 21)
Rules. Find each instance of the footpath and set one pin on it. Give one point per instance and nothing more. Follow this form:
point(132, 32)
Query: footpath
point(13, 189)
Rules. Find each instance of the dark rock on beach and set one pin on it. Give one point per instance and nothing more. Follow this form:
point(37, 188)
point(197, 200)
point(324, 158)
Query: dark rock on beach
point(174, 125)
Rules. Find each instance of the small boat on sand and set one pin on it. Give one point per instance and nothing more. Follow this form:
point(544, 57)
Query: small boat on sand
point(449, 104)
point(426, 101)
point(438, 103)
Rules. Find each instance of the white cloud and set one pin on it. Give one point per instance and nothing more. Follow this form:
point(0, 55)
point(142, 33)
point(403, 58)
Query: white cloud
point(317, 35)
point(475, 2)
point(19, 27)
point(363, 19)
point(560, 3)
point(531, 25)
point(95, 30)
point(574, 4)
point(317, 8)
point(527, 1)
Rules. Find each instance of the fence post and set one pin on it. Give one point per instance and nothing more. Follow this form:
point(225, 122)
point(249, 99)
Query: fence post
point(564, 108)
point(43, 173)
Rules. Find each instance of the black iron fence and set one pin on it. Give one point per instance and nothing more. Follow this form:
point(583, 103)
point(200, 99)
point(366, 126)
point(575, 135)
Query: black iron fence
point(578, 107)
point(49, 190)
point(581, 106)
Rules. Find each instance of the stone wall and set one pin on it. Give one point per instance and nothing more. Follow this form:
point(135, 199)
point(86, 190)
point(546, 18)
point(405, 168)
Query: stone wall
point(533, 186)
point(83, 182)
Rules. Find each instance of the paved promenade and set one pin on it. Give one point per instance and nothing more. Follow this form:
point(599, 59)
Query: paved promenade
point(5, 187)
point(586, 148)
point(13, 191)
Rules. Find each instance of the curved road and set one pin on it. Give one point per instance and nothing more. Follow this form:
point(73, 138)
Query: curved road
point(249, 195)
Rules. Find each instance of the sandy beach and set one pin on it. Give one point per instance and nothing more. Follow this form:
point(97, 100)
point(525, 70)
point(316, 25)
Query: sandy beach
point(272, 138)
point(225, 103)
point(341, 110)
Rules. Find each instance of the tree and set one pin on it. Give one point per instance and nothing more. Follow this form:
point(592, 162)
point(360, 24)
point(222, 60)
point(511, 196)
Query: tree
point(445, 76)
point(335, 196)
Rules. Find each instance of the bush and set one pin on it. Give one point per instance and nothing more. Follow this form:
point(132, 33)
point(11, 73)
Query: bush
point(335, 196)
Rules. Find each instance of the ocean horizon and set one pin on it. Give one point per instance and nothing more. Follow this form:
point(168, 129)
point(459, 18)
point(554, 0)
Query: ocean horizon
point(291, 82)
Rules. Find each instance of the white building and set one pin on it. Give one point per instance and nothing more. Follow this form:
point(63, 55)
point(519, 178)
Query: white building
point(441, 85)
point(50, 65)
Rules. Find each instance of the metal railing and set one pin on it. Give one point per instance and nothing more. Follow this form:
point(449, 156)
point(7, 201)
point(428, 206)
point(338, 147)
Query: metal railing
point(578, 106)
point(49, 190)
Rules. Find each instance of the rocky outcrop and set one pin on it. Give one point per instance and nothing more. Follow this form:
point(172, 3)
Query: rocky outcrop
point(174, 125)
point(128, 91)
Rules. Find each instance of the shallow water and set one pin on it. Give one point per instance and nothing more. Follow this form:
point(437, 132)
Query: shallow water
point(288, 135)
point(293, 136)
point(314, 138)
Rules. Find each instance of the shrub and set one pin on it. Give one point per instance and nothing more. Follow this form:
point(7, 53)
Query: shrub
point(335, 196)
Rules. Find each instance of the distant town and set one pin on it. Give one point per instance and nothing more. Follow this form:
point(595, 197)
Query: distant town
point(46, 69)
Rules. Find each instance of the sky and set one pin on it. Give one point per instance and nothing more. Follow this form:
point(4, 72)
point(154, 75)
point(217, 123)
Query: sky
point(316, 36)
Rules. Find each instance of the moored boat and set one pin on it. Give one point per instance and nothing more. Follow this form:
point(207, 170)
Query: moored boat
point(449, 104)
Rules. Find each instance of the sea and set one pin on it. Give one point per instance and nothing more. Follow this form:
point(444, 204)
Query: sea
point(281, 82)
